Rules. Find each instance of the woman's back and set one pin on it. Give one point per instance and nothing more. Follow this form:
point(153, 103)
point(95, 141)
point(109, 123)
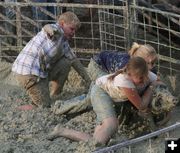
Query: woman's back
point(111, 61)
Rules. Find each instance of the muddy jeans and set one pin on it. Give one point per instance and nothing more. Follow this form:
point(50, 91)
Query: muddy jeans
point(102, 104)
point(37, 89)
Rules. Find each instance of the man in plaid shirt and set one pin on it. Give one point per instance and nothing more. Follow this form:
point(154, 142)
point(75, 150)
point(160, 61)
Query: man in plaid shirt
point(47, 57)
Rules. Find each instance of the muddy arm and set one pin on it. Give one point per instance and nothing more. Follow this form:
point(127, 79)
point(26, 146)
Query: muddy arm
point(76, 64)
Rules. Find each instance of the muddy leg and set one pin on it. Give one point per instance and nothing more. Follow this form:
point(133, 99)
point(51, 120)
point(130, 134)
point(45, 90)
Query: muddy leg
point(37, 90)
point(54, 88)
point(68, 133)
point(58, 76)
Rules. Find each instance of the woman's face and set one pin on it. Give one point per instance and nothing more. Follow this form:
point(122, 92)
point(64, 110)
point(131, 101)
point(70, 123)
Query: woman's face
point(151, 61)
point(137, 80)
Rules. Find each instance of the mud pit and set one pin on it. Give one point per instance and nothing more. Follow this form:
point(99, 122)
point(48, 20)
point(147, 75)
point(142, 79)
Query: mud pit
point(26, 131)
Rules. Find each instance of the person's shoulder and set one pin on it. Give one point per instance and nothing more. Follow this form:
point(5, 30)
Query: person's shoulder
point(56, 27)
point(152, 73)
point(152, 76)
point(122, 80)
point(122, 77)
point(102, 79)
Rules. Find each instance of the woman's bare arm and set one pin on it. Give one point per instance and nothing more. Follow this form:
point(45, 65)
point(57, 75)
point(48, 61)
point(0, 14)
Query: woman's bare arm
point(141, 103)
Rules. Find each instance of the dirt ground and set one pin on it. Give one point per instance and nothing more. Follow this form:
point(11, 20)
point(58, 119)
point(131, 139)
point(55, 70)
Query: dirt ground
point(26, 131)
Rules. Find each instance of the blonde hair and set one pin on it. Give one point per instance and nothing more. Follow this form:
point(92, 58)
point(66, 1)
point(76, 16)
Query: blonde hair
point(136, 66)
point(69, 18)
point(142, 50)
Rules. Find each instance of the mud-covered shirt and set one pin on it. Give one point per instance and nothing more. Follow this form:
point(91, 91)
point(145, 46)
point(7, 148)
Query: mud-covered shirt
point(40, 53)
point(114, 87)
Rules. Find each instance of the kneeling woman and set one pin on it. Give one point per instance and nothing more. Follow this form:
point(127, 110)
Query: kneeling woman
point(125, 84)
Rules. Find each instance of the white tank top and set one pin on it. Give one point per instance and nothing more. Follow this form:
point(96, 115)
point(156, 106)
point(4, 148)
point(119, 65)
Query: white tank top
point(114, 87)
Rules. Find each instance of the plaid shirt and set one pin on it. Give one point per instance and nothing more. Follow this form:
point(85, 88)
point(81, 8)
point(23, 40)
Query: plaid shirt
point(40, 53)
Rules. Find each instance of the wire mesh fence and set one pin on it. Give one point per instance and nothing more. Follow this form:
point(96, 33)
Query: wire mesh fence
point(161, 30)
point(106, 25)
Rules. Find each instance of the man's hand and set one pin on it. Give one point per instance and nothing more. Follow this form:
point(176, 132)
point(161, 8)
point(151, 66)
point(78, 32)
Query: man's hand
point(52, 32)
point(49, 30)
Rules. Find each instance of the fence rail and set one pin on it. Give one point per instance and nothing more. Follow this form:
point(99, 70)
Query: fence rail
point(139, 139)
point(105, 26)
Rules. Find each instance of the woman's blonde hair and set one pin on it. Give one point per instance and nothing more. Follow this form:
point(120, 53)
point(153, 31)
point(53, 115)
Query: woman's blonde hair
point(70, 18)
point(136, 66)
point(142, 50)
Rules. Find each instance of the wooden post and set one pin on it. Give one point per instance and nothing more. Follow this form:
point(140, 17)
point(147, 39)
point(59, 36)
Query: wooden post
point(131, 28)
point(18, 25)
point(126, 14)
point(150, 15)
point(0, 48)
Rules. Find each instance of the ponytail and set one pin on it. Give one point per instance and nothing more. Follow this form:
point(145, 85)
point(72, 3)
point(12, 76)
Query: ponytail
point(134, 49)
point(142, 50)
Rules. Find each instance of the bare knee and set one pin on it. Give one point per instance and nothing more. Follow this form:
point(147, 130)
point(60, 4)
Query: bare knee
point(105, 131)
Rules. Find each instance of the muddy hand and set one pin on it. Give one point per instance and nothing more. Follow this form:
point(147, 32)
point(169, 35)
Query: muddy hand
point(49, 30)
